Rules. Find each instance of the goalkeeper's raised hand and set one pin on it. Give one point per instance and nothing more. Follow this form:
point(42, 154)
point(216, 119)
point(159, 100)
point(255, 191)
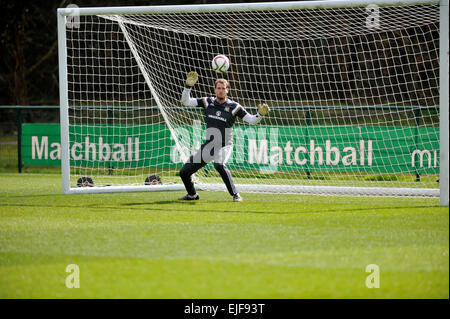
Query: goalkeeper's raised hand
point(263, 109)
point(191, 79)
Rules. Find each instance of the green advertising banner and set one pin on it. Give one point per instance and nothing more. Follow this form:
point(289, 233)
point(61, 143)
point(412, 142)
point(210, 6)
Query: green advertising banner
point(377, 149)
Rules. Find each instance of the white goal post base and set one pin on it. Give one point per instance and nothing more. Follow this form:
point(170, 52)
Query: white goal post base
point(285, 189)
point(325, 190)
point(124, 189)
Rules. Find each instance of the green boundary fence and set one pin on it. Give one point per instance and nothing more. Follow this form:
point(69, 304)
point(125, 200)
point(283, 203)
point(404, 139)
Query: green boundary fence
point(19, 109)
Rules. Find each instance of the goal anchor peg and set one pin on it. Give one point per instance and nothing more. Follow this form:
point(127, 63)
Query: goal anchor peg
point(153, 180)
point(85, 182)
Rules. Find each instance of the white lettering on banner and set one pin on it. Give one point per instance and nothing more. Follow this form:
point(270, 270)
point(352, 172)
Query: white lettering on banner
point(312, 152)
point(40, 150)
point(130, 149)
point(196, 136)
point(76, 146)
point(102, 156)
point(435, 158)
point(56, 153)
point(180, 153)
point(421, 154)
point(119, 155)
point(276, 155)
point(297, 159)
point(328, 150)
point(136, 149)
point(362, 150)
point(87, 147)
point(288, 149)
point(259, 152)
point(241, 134)
point(276, 152)
point(349, 159)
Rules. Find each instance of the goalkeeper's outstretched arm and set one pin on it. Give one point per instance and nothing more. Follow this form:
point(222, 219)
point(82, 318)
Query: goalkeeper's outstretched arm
point(263, 109)
point(186, 99)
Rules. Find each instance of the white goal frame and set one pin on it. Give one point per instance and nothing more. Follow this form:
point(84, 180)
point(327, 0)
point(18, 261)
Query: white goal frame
point(66, 14)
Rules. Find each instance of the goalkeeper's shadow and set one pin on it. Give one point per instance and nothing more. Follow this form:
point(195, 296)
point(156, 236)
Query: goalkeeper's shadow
point(162, 202)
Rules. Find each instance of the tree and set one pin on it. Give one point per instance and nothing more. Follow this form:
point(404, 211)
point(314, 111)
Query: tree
point(29, 61)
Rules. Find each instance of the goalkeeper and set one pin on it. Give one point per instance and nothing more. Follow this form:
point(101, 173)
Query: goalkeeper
point(220, 114)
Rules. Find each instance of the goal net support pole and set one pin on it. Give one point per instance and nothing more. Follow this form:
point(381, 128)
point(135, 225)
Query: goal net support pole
point(444, 101)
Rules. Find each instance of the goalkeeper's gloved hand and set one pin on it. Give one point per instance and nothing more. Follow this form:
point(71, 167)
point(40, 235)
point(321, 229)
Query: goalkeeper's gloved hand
point(191, 79)
point(263, 109)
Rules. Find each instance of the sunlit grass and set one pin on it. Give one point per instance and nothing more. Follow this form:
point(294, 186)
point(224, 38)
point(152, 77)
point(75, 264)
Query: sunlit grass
point(150, 245)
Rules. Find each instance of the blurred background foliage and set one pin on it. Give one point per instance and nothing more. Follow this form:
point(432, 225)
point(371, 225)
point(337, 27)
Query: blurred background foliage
point(29, 50)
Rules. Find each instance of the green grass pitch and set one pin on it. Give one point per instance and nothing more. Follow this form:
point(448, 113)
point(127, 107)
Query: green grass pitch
point(149, 245)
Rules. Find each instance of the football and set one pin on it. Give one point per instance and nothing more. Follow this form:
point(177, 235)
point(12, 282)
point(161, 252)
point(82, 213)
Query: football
point(220, 63)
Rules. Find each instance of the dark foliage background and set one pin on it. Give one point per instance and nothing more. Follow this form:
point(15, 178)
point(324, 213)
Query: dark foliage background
point(28, 44)
point(29, 62)
point(29, 52)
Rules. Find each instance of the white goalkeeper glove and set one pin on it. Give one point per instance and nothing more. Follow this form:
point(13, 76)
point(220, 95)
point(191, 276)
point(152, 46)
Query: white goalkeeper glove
point(263, 109)
point(191, 79)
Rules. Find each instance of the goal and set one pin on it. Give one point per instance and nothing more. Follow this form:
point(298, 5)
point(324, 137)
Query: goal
point(358, 92)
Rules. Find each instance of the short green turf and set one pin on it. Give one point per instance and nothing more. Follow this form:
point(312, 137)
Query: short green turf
point(149, 245)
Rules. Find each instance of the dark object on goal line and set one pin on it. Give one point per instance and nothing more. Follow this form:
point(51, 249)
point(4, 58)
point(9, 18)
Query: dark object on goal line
point(153, 180)
point(85, 182)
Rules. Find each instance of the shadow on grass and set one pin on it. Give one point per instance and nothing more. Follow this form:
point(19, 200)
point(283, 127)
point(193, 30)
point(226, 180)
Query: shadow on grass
point(163, 202)
point(148, 207)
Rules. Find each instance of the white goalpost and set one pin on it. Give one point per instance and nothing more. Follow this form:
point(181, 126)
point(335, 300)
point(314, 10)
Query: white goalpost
point(358, 92)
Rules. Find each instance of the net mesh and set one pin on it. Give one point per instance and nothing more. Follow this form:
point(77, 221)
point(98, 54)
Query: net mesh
point(354, 94)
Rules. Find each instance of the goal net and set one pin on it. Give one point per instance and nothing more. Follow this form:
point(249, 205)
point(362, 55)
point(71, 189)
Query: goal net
point(353, 90)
